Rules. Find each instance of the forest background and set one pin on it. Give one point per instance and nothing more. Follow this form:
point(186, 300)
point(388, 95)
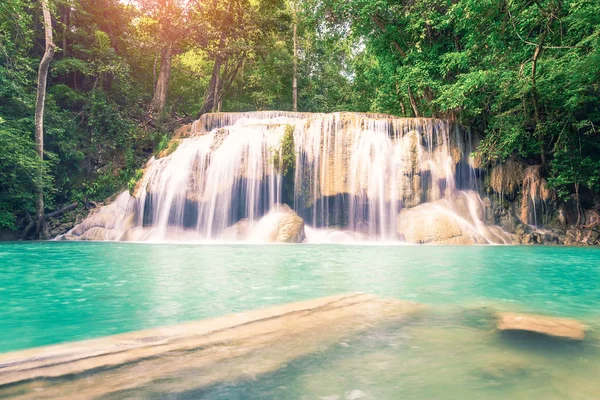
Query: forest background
point(523, 74)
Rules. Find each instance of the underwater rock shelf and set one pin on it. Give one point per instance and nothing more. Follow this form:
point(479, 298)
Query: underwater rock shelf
point(200, 353)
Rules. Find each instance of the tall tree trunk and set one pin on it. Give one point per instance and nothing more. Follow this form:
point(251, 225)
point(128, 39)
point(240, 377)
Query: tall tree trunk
point(578, 204)
point(295, 72)
point(39, 116)
point(534, 94)
point(211, 97)
point(536, 106)
point(413, 103)
point(159, 101)
point(217, 90)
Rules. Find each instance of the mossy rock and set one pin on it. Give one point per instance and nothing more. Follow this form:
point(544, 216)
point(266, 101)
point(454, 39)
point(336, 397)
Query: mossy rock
point(171, 147)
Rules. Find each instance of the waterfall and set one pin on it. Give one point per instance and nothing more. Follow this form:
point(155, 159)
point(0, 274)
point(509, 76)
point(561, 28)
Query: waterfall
point(353, 173)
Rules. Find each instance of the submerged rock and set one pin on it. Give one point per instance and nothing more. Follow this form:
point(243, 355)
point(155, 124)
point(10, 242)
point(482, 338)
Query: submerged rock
point(557, 327)
point(197, 354)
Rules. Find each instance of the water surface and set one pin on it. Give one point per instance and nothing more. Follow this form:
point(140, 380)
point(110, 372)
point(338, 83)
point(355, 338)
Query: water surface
point(57, 292)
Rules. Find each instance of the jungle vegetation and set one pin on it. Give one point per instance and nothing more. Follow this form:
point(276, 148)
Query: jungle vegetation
point(523, 74)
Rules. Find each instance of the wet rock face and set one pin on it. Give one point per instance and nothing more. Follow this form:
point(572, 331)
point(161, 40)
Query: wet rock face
point(107, 223)
point(550, 326)
point(280, 225)
point(290, 228)
point(433, 223)
point(459, 221)
point(582, 236)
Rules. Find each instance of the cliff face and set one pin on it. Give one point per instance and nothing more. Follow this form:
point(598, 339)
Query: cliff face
point(370, 176)
point(522, 202)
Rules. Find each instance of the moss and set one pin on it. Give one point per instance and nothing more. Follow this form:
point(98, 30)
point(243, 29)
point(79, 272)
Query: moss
point(284, 158)
point(169, 149)
point(133, 182)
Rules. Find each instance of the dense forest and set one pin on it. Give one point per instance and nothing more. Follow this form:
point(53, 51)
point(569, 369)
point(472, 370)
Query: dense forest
point(123, 75)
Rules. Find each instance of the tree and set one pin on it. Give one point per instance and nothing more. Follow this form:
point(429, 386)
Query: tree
point(170, 16)
point(39, 114)
point(294, 8)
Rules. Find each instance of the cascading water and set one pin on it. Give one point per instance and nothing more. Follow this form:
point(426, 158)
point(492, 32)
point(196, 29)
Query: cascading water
point(352, 172)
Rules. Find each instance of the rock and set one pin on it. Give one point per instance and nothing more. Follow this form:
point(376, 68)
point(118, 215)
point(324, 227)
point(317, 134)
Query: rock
point(224, 349)
point(219, 138)
point(107, 223)
point(557, 327)
point(434, 223)
point(98, 233)
point(578, 236)
point(280, 225)
point(506, 178)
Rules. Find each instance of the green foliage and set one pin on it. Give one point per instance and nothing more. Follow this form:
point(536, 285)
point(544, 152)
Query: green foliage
point(471, 61)
point(19, 167)
point(284, 158)
point(284, 161)
point(163, 144)
point(523, 74)
point(134, 180)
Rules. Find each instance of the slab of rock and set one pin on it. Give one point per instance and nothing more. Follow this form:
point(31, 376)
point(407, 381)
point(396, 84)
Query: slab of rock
point(557, 327)
point(194, 354)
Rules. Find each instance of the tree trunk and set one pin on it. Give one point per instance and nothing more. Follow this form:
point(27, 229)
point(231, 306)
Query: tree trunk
point(578, 204)
point(381, 25)
point(413, 103)
point(217, 90)
point(210, 99)
point(154, 69)
point(159, 101)
point(534, 94)
point(39, 116)
point(295, 72)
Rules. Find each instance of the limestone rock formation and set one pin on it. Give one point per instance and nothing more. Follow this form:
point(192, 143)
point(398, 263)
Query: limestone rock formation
point(434, 223)
point(280, 225)
point(557, 327)
point(107, 223)
point(458, 222)
point(354, 171)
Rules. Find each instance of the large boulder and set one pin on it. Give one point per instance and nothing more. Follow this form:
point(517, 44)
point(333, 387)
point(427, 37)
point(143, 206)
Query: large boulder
point(459, 220)
point(280, 225)
point(550, 326)
point(436, 223)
